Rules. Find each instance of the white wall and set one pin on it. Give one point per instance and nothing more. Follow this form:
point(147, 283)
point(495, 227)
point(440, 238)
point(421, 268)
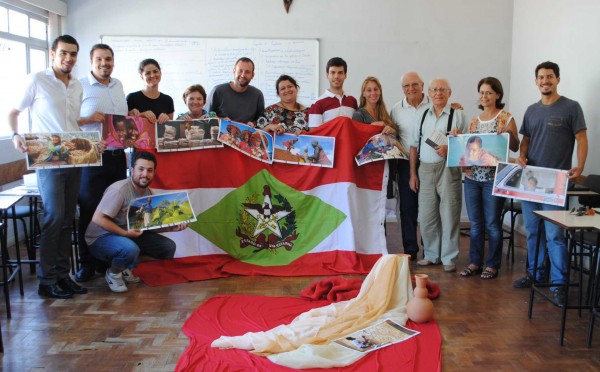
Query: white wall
point(567, 33)
point(462, 40)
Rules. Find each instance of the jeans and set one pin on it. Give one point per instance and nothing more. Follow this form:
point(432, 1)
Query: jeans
point(484, 211)
point(122, 252)
point(409, 208)
point(555, 239)
point(58, 188)
point(94, 181)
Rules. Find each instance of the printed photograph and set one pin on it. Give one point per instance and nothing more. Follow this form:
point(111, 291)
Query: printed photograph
point(63, 150)
point(377, 336)
point(156, 211)
point(537, 184)
point(316, 151)
point(250, 141)
point(480, 149)
point(127, 131)
point(381, 147)
point(181, 135)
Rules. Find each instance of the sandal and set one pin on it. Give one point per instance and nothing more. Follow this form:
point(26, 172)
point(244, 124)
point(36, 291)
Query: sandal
point(470, 270)
point(489, 273)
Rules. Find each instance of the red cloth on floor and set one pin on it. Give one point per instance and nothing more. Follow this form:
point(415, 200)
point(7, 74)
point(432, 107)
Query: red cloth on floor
point(193, 268)
point(236, 315)
point(337, 289)
point(333, 289)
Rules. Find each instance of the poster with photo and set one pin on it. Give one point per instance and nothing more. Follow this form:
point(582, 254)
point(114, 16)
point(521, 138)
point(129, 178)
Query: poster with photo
point(162, 210)
point(381, 147)
point(182, 135)
point(63, 150)
point(536, 184)
point(127, 131)
point(480, 149)
point(304, 149)
point(250, 141)
point(375, 337)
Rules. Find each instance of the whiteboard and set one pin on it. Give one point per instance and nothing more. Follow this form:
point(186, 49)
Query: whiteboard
point(210, 61)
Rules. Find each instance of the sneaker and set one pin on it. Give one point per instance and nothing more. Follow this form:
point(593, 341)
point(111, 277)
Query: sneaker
point(424, 262)
point(449, 268)
point(115, 282)
point(524, 282)
point(129, 277)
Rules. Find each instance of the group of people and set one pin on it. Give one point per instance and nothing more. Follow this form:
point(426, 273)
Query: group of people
point(550, 129)
point(427, 190)
point(58, 102)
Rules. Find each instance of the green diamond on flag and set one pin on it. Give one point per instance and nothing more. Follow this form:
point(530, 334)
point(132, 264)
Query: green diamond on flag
point(265, 222)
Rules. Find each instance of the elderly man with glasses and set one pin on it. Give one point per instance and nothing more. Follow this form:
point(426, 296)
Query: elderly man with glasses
point(440, 189)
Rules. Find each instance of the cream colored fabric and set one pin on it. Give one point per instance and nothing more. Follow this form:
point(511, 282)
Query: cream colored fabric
point(306, 341)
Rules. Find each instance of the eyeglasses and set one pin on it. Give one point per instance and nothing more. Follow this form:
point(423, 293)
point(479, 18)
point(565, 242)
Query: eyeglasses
point(439, 90)
point(411, 85)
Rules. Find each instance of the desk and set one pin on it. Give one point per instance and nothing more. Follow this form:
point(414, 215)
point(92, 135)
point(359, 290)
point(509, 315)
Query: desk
point(32, 193)
point(570, 223)
point(7, 202)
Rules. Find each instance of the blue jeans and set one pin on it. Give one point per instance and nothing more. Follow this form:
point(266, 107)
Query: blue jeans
point(58, 188)
point(122, 252)
point(94, 181)
point(409, 208)
point(484, 211)
point(554, 237)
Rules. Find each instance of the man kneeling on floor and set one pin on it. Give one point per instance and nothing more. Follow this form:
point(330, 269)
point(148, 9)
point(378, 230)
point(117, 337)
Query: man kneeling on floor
point(107, 235)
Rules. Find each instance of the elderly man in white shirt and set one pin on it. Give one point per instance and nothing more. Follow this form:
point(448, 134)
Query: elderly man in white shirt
point(440, 188)
point(407, 114)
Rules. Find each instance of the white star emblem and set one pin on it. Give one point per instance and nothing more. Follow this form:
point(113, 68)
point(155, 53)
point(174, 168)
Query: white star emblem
point(267, 221)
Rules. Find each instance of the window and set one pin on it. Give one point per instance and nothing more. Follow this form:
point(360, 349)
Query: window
point(23, 49)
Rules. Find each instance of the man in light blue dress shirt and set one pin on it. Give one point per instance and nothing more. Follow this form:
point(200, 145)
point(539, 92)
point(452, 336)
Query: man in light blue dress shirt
point(102, 94)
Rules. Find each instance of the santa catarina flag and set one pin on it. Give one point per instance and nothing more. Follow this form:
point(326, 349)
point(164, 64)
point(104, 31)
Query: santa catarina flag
point(275, 219)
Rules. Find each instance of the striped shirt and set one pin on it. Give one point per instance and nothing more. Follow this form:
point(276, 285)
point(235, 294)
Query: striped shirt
point(330, 106)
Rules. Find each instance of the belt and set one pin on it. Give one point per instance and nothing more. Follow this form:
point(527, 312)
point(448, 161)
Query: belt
point(114, 152)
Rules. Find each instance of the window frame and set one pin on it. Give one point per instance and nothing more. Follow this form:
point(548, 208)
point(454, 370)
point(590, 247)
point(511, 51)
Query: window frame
point(30, 42)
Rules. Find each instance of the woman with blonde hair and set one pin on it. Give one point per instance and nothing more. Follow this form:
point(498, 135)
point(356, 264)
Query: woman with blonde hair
point(371, 109)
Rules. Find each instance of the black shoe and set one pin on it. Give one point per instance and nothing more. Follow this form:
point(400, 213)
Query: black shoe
point(524, 282)
point(85, 274)
point(559, 296)
point(413, 255)
point(70, 286)
point(53, 291)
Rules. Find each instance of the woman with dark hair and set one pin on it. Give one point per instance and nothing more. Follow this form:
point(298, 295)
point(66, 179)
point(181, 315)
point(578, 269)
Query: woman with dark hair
point(150, 102)
point(483, 208)
point(194, 98)
point(287, 115)
point(371, 109)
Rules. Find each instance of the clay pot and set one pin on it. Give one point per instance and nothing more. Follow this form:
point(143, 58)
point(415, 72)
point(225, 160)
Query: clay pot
point(420, 308)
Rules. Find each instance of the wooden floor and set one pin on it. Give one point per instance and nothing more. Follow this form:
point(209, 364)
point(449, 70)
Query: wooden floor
point(484, 324)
